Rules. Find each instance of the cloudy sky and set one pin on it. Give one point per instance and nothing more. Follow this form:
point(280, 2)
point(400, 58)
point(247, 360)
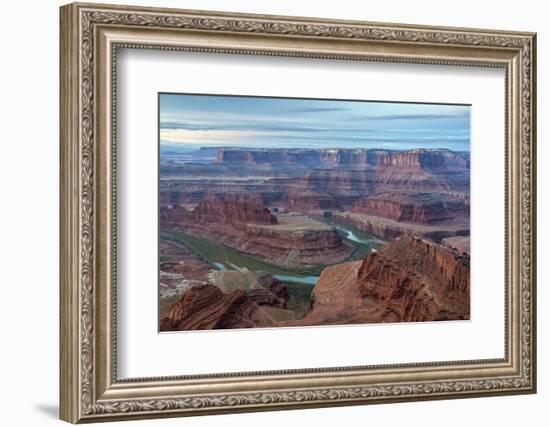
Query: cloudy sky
point(209, 120)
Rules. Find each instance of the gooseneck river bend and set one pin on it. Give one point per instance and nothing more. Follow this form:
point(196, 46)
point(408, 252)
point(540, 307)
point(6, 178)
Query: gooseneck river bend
point(224, 258)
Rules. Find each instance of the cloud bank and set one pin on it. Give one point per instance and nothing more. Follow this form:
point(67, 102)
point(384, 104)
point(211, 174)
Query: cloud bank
point(202, 120)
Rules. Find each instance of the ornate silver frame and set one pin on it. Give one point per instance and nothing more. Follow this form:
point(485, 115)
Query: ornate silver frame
point(90, 36)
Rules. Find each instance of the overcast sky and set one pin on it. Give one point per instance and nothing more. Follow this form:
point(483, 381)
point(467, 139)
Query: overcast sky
point(207, 120)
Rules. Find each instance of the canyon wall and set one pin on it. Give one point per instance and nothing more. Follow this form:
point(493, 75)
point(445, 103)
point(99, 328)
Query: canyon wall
point(305, 180)
point(389, 229)
point(421, 208)
point(251, 229)
point(236, 212)
point(421, 159)
point(259, 300)
point(312, 158)
point(408, 280)
point(349, 158)
point(414, 280)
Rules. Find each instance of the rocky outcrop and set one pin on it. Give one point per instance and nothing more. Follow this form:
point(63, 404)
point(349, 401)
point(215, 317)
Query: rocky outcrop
point(459, 243)
point(395, 179)
point(338, 182)
point(327, 189)
point(296, 242)
point(236, 212)
point(305, 180)
point(347, 186)
point(190, 268)
point(421, 159)
point(421, 208)
point(191, 193)
point(275, 287)
point(261, 287)
point(346, 158)
point(400, 294)
point(208, 306)
point(179, 269)
point(299, 201)
point(408, 280)
point(233, 212)
point(310, 158)
point(413, 280)
point(315, 245)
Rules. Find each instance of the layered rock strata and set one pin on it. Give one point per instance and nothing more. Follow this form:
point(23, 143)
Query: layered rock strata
point(294, 241)
point(389, 229)
point(260, 304)
point(234, 212)
point(207, 307)
point(349, 158)
point(305, 180)
point(179, 270)
point(408, 280)
point(421, 281)
point(422, 159)
point(420, 208)
point(459, 243)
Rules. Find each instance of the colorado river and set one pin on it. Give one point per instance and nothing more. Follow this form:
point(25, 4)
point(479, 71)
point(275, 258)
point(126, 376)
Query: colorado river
point(306, 280)
point(350, 235)
point(364, 242)
point(224, 258)
point(219, 265)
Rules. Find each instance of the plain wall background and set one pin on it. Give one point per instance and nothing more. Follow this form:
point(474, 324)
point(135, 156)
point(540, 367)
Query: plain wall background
point(29, 171)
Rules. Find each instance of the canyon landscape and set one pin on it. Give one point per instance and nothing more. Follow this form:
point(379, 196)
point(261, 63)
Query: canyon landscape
point(260, 227)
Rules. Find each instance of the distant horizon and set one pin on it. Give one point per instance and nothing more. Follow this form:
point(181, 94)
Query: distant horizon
point(192, 147)
point(190, 121)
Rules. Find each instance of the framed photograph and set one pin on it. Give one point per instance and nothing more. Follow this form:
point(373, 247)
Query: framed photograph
point(267, 212)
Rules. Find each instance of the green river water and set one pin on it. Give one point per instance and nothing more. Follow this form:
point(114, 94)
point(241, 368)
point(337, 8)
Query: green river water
point(224, 257)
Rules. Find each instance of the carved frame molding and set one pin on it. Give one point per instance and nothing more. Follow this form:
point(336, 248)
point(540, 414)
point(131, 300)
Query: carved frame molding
point(90, 390)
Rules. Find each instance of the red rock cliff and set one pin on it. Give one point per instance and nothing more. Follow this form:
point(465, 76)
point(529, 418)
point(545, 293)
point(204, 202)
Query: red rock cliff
point(415, 280)
point(349, 158)
point(206, 307)
point(250, 228)
point(311, 158)
point(408, 280)
point(421, 159)
point(234, 212)
point(421, 208)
